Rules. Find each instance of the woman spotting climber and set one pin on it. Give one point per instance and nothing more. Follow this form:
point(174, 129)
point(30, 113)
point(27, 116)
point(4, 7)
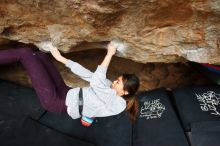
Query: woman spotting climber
point(100, 99)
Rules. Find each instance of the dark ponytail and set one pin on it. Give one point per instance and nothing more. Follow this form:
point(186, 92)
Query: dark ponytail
point(131, 85)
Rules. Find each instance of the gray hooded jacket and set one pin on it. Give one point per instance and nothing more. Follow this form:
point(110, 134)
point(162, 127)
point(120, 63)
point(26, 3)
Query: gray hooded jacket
point(99, 99)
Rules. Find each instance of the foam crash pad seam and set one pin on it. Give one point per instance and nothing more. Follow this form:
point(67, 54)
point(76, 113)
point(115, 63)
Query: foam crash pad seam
point(197, 104)
point(31, 132)
point(105, 131)
point(16, 103)
point(157, 123)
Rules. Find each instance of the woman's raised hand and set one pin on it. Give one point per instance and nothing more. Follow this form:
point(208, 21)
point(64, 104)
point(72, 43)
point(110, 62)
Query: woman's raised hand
point(56, 53)
point(111, 49)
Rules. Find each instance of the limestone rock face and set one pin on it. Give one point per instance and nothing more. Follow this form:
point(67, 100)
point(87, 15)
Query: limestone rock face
point(154, 30)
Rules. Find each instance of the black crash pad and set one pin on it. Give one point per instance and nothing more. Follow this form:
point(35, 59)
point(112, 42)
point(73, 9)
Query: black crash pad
point(16, 102)
point(106, 131)
point(197, 104)
point(206, 133)
point(157, 123)
point(32, 133)
point(20, 102)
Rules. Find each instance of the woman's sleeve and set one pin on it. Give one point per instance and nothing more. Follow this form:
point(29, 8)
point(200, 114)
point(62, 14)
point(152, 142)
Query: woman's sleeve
point(100, 85)
point(79, 70)
point(99, 78)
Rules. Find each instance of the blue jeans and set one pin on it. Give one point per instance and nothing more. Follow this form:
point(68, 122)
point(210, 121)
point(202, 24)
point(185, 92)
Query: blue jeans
point(45, 78)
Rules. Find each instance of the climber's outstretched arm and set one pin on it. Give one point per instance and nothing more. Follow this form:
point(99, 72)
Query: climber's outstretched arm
point(75, 67)
point(111, 50)
point(56, 54)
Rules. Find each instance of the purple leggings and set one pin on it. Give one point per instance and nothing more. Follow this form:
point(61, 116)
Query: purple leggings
point(46, 80)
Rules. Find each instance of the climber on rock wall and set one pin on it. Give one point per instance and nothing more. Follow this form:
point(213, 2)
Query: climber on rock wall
point(100, 99)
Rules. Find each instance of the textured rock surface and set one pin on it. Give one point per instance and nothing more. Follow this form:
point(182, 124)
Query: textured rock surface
point(155, 30)
point(152, 75)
